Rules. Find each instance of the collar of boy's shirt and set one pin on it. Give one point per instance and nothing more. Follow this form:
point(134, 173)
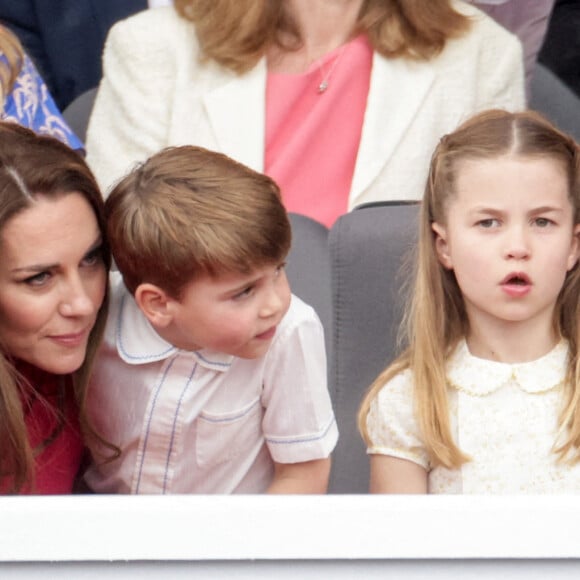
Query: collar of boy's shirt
point(138, 343)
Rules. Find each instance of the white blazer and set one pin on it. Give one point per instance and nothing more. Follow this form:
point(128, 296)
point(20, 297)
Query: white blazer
point(155, 92)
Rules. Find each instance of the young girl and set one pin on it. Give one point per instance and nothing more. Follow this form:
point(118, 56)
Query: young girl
point(485, 397)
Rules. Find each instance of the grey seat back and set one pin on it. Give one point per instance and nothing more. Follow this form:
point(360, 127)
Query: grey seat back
point(308, 269)
point(78, 112)
point(368, 247)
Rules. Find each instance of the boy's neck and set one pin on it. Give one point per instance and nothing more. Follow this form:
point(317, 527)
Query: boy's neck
point(172, 337)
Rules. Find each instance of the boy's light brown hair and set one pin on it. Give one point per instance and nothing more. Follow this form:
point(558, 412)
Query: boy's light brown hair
point(188, 212)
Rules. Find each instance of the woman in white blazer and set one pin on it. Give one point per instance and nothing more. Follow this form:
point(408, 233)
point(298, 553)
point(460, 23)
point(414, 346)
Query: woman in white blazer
point(432, 64)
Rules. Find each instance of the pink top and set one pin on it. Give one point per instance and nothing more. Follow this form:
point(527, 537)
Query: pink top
point(312, 137)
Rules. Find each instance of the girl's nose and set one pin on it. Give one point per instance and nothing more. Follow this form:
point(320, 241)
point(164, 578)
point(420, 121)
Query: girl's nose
point(517, 245)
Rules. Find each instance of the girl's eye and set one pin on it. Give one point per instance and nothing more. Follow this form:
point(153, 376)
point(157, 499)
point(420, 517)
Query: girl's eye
point(39, 279)
point(542, 222)
point(488, 223)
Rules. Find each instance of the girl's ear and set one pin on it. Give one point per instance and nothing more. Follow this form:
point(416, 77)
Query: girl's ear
point(574, 248)
point(155, 304)
point(441, 245)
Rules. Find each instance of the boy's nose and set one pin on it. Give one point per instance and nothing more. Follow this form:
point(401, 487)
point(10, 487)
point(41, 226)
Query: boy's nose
point(272, 303)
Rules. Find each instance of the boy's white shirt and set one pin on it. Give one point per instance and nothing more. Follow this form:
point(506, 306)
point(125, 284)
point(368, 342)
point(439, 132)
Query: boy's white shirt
point(206, 422)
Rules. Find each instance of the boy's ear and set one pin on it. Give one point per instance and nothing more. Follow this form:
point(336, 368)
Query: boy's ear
point(441, 245)
point(155, 304)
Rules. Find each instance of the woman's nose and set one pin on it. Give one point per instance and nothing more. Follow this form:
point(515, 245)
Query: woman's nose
point(76, 300)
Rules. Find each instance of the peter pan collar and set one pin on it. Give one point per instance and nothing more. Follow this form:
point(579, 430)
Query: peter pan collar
point(138, 343)
point(480, 377)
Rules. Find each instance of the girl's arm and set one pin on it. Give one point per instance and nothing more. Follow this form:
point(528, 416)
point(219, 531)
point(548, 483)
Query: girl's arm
point(394, 475)
point(305, 477)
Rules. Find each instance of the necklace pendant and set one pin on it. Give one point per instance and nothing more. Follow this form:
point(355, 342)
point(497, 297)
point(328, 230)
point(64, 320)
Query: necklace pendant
point(322, 86)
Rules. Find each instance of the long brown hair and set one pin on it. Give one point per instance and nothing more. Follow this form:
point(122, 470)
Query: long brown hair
point(11, 64)
point(41, 166)
point(237, 33)
point(436, 319)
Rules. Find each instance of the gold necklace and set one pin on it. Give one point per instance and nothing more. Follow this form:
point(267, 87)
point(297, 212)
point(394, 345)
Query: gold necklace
point(325, 76)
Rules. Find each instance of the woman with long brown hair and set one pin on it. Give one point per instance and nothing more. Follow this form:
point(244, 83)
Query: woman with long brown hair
point(54, 261)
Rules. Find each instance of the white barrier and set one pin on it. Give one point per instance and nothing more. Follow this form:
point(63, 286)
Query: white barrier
point(290, 536)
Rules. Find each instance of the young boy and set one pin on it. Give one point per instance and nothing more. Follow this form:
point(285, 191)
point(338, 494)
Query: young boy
point(212, 376)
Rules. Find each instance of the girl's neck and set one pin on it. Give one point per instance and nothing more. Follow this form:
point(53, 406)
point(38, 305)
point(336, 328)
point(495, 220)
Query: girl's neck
point(323, 24)
point(514, 343)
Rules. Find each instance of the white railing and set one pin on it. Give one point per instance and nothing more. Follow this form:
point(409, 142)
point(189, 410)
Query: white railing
point(290, 536)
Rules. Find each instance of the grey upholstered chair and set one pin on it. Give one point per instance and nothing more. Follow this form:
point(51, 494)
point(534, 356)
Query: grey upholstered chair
point(78, 112)
point(368, 248)
point(308, 269)
point(551, 97)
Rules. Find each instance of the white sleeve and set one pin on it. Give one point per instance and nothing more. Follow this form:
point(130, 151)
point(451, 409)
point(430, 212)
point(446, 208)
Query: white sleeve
point(299, 424)
point(391, 423)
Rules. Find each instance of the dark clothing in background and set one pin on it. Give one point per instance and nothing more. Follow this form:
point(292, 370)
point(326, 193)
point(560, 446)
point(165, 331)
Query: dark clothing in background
point(561, 50)
point(65, 38)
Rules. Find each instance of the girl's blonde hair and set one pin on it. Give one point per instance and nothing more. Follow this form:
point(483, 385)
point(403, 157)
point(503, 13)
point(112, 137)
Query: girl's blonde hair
point(436, 320)
point(30, 166)
point(10, 63)
point(237, 33)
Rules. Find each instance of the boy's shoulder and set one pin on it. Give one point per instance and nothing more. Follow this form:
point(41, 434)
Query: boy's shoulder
point(299, 314)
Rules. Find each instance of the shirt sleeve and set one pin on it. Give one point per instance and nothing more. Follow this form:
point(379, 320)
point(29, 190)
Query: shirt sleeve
point(391, 424)
point(299, 423)
point(31, 105)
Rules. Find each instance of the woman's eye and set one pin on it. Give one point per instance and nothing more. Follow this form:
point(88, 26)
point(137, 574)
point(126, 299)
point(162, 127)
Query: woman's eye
point(93, 257)
point(39, 279)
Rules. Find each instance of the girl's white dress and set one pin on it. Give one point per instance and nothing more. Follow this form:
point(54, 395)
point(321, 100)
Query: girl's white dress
point(504, 416)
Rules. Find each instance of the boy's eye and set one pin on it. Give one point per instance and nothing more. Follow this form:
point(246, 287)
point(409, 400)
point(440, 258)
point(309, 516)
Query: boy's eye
point(244, 293)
